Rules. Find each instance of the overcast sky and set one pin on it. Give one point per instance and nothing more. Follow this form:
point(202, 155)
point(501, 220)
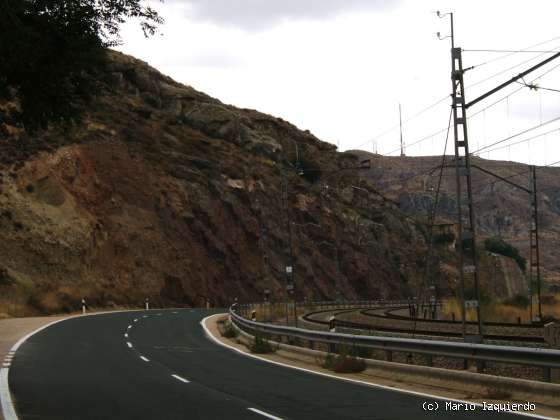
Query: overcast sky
point(340, 68)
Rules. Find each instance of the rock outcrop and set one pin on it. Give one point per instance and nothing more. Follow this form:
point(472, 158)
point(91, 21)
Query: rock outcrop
point(163, 192)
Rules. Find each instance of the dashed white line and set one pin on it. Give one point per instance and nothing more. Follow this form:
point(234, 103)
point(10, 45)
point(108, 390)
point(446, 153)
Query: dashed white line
point(145, 316)
point(262, 413)
point(129, 327)
point(126, 335)
point(175, 313)
point(129, 344)
point(135, 319)
point(181, 379)
point(145, 359)
point(158, 314)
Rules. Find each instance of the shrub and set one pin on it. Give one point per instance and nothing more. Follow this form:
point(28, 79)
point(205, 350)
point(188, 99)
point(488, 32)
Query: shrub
point(227, 330)
point(260, 345)
point(519, 301)
point(344, 362)
point(349, 364)
point(501, 247)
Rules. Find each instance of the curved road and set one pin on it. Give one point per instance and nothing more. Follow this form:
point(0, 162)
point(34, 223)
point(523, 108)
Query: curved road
point(160, 365)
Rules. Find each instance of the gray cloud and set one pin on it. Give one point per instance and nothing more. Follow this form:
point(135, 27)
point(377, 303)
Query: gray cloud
point(260, 14)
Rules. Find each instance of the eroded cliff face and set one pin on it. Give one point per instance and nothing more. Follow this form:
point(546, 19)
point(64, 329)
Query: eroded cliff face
point(166, 193)
point(501, 209)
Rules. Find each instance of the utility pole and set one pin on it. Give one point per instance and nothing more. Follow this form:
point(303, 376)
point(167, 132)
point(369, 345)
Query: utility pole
point(400, 126)
point(463, 167)
point(290, 284)
point(534, 252)
point(468, 264)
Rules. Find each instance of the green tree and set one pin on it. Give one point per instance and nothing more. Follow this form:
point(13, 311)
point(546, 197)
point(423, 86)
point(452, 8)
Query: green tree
point(51, 48)
point(501, 247)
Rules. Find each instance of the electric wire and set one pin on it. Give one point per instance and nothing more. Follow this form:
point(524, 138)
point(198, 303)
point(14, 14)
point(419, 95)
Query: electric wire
point(433, 105)
point(512, 53)
point(523, 141)
point(477, 112)
point(527, 130)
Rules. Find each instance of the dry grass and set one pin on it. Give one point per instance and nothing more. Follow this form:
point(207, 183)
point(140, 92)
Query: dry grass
point(501, 312)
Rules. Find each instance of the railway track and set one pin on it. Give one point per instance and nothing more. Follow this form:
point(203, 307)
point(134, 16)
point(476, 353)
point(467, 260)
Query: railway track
point(419, 328)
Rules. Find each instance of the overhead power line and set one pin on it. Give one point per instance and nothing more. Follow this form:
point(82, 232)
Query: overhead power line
point(523, 141)
point(517, 134)
point(513, 53)
point(506, 70)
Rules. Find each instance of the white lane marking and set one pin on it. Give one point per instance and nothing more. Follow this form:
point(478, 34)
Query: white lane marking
point(145, 316)
point(144, 359)
point(129, 344)
point(129, 327)
point(126, 336)
point(262, 413)
point(388, 388)
point(135, 319)
point(6, 403)
point(175, 313)
point(158, 314)
point(181, 379)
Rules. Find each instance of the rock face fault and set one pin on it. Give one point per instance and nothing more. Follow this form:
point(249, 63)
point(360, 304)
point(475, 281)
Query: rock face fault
point(163, 192)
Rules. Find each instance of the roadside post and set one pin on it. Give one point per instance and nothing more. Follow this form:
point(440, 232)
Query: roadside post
point(552, 337)
point(83, 306)
point(332, 328)
point(147, 304)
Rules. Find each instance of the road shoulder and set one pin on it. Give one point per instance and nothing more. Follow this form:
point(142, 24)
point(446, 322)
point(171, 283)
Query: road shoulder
point(287, 359)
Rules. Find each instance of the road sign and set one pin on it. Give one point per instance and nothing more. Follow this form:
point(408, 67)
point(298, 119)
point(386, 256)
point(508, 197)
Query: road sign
point(552, 334)
point(471, 304)
point(289, 269)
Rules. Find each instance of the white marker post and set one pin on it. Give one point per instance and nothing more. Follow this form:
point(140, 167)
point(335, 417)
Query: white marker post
point(147, 304)
point(332, 328)
point(83, 306)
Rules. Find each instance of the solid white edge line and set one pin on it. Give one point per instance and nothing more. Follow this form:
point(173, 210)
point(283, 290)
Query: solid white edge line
point(145, 359)
point(181, 379)
point(387, 388)
point(8, 409)
point(6, 402)
point(262, 413)
point(129, 344)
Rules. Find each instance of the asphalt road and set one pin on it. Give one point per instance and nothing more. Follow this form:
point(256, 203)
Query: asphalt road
point(84, 368)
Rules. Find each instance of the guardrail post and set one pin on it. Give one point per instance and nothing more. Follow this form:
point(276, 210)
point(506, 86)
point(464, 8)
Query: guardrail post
point(547, 374)
point(480, 366)
point(429, 360)
point(389, 355)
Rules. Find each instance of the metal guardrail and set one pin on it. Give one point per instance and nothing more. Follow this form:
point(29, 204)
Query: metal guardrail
point(546, 359)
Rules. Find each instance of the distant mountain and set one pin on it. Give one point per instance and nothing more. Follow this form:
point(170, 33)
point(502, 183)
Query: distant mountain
point(502, 210)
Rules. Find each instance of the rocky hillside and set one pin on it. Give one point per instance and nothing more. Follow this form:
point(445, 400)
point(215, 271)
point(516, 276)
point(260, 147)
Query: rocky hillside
point(502, 210)
point(162, 192)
